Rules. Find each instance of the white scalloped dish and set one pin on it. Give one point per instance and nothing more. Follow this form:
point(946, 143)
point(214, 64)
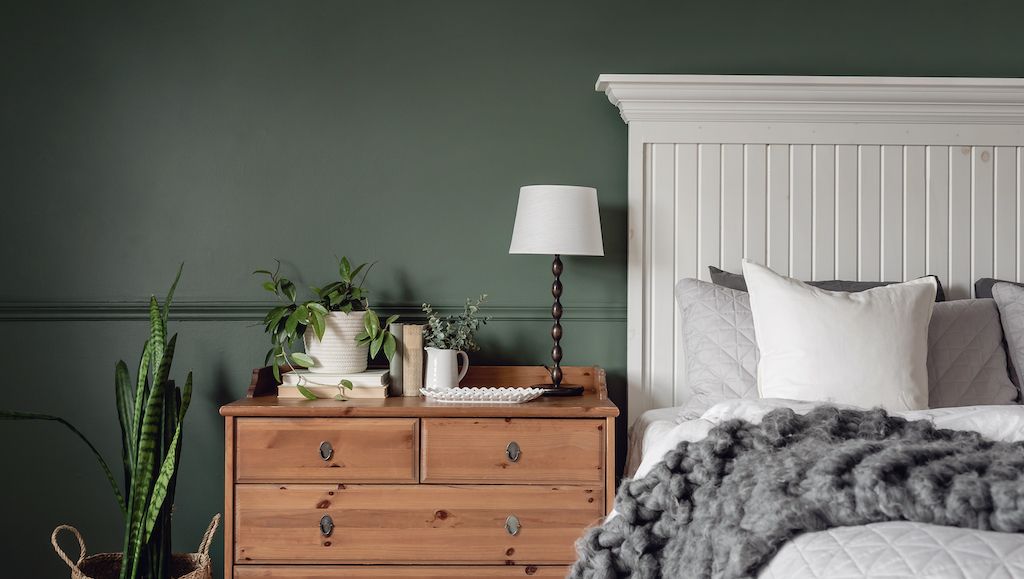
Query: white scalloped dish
point(484, 395)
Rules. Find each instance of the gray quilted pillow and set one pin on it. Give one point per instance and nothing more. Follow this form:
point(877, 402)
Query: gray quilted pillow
point(1010, 299)
point(718, 340)
point(966, 359)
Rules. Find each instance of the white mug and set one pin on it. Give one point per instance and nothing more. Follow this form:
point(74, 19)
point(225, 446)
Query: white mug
point(442, 368)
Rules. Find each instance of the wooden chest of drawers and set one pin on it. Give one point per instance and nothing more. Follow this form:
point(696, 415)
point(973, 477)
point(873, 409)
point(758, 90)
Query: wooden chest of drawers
point(403, 487)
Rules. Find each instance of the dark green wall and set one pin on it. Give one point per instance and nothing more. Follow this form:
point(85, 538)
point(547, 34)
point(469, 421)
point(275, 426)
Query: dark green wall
point(134, 136)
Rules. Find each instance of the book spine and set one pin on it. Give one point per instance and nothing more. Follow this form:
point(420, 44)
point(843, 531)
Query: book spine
point(412, 359)
point(396, 388)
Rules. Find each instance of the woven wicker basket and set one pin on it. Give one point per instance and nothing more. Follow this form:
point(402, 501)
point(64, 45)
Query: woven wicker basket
point(108, 565)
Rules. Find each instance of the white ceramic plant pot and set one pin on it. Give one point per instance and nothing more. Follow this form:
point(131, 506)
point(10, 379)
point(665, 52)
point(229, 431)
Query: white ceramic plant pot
point(338, 351)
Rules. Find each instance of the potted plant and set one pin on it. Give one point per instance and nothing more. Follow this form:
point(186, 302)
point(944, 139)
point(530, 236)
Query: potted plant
point(345, 329)
point(151, 411)
point(449, 338)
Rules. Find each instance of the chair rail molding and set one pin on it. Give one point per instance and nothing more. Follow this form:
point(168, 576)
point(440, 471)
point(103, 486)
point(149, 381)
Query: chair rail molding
point(215, 311)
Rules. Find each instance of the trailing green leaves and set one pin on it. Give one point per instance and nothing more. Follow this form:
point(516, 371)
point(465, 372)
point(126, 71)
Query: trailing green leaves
point(288, 322)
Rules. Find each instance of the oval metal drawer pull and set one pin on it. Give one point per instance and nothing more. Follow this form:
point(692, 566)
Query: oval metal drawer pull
point(326, 451)
point(326, 525)
point(512, 451)
point(512, 525)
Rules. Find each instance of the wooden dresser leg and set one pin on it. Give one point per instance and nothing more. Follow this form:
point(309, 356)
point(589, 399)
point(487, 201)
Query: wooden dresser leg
point(609, 466)
point(229, 497)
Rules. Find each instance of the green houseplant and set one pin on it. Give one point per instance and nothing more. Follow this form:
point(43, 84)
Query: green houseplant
point(151, 411)
point(449, 338)
point(345, 329)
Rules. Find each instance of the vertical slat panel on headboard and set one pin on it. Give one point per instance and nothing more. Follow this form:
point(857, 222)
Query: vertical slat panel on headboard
point(709, 207)
point(846, 211)
point(686, 247)
point(801, 212)
point(869, 212)
point(755, 203)
point(937, 159)
point(663, 271)
point(959, 281)
point(1005, 234)
point(892, 212)
point(914, 213)
point(778, 208)
point(983, 204)
point(732, 207)
point(823, 246)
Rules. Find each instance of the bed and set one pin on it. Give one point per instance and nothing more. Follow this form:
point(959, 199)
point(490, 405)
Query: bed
point(820, 178)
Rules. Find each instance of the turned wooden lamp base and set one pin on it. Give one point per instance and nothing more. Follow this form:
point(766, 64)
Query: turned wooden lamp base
point(556, 388)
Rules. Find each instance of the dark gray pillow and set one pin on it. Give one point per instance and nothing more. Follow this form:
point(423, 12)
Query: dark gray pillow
point(735, 281)
point(983, 287)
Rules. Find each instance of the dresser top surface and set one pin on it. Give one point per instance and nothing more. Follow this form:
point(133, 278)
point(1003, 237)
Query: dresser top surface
point(594, 403)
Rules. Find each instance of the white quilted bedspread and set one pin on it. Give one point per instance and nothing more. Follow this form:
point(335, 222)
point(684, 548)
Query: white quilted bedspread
point(898, 550)
point(893, 550)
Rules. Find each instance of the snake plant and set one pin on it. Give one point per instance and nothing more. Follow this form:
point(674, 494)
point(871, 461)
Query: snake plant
point(151, 410)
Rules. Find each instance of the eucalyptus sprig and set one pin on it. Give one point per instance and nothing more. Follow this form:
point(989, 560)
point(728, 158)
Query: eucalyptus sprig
point(457, 331)
point(288, 322)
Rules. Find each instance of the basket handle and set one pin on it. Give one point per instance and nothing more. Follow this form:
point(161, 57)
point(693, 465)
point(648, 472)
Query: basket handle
point(204, 545)
point(61, 553)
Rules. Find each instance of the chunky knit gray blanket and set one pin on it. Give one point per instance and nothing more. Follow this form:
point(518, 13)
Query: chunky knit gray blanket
point(723, 506)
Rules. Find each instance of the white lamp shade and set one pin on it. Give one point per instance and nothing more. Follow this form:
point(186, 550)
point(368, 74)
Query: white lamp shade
point(557, 219)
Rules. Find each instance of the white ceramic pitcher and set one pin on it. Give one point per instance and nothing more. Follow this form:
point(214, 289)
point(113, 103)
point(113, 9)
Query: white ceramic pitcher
point(442, 368)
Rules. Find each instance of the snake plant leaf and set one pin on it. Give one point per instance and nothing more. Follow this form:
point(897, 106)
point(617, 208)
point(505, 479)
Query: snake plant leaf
point(303, 359)
point(157, 335)
point(123, 398)
point(170, 295)
point(161, 373)
point(141, 391)
point(15, 415)
point(142, 479)
point(168, 468)
point(306, 392)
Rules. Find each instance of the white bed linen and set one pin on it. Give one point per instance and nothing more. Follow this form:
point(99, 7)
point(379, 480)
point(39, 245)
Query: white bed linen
point(883, 550)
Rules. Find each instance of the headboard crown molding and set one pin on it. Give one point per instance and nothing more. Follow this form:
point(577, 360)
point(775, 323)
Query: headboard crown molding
point(802, 99)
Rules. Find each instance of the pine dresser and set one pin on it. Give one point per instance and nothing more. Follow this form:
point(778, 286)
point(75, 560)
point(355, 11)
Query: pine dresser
point(404, 487)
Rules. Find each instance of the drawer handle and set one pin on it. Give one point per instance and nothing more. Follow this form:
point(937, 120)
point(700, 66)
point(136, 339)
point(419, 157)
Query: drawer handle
point(326, 525)
point(512, 525)
point(326, 451)
point(512, 451)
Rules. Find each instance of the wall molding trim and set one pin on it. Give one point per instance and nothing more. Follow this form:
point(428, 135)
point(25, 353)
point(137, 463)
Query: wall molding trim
point(216, 311)
point(811, 99)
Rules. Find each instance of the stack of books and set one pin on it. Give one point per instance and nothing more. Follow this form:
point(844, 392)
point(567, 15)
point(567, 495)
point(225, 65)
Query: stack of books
point(368, 384)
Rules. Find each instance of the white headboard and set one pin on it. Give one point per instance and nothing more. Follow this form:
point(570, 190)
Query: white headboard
point(852, 178)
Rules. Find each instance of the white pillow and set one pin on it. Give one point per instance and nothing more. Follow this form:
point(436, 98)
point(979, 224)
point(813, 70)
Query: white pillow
point(866, 349)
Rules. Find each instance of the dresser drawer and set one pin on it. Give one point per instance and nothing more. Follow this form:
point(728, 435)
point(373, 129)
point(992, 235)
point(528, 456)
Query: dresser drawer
point(337, 450)
point(504, 450)
point(396, 571)
point(412, 523)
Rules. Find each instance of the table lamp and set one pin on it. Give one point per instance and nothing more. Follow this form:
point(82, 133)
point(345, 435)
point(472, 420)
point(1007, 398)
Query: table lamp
point(557, 220)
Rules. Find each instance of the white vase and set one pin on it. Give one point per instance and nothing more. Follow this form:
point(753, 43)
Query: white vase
point(443, 368)
point(337, 351)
